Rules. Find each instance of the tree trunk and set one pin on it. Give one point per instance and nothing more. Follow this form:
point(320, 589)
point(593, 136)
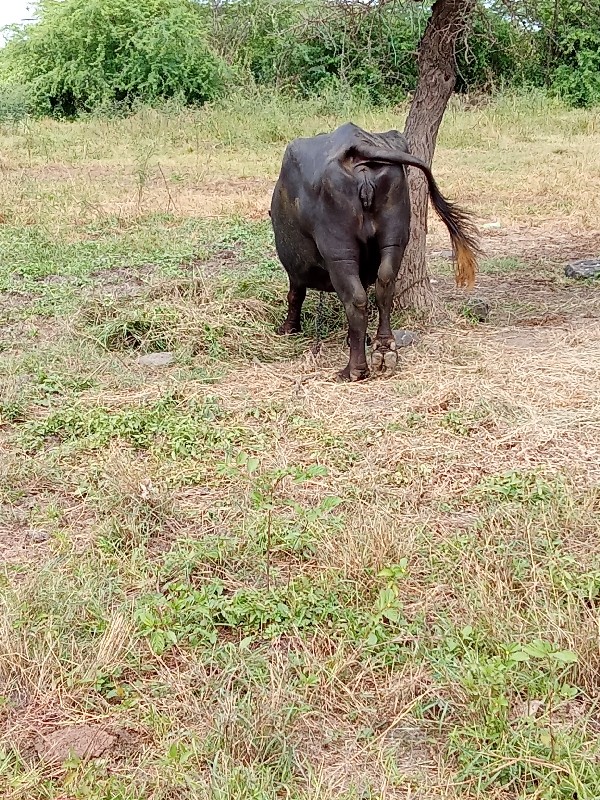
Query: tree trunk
point(437, 76)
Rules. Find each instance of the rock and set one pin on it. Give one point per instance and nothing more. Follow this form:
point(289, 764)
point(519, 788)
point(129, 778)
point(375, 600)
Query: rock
point(587, 268)
point(491, 225)
point(527, 708)
point(405, 338)
point(81, 741)
point(475, 308)
point(38, 536)
point(156, 359)
point(447, 254)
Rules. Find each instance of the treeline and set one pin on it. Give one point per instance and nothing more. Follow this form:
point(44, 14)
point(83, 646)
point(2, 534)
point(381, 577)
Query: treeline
point(85, 55)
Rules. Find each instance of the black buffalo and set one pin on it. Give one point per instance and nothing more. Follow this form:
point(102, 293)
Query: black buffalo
point(341, 217)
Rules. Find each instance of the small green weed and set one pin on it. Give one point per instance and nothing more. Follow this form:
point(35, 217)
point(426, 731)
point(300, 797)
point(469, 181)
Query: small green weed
point(496, 743)
point(571, 581)
point(501, 266)
point(171, 425)
point(185, 615)
point(56, 384)
point(193, 616)
point(461, 423)
point(12, 411)
point(527, 488)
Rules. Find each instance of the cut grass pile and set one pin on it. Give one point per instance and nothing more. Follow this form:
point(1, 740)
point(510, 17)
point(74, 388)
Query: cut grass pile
point(231, 577)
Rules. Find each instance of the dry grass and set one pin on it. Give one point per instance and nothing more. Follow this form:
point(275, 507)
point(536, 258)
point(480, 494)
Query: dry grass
point(521, 160)
point(232, 576)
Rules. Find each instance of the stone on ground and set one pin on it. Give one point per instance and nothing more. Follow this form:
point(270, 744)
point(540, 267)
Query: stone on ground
point(476, 308)
point(405, 338)
point(156, 359)
point(586, 268)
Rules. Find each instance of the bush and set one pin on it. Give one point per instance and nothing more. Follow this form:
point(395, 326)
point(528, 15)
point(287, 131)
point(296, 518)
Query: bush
point(14, 103)
point(87, 54)
point(312, 46)
point(573, 53)
point(496, 53)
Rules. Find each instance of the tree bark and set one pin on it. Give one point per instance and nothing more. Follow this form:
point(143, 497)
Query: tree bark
point(437, 77)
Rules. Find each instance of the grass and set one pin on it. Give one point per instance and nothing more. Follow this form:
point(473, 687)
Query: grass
point(231, 577)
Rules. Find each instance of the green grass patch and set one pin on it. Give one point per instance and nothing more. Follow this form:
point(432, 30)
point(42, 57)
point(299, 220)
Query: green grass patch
point(258, 582)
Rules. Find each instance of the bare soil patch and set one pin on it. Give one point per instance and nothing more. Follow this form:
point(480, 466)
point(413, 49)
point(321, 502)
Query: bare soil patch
point(78, 741)
point(50, 736)
point(538, 295)
point(19, 544)
point(550, 241)
point(122, 282)
point(555, 240)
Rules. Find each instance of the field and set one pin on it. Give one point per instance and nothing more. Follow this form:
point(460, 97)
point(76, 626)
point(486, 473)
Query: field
point(228, 576)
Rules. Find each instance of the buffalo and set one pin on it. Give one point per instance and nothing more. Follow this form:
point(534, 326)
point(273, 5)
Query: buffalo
point(341, 218)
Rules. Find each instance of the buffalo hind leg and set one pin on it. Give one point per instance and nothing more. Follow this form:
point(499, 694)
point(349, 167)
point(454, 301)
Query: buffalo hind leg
point(367, 340)
point(295, 298)
point(346, 282)
point(385, 355)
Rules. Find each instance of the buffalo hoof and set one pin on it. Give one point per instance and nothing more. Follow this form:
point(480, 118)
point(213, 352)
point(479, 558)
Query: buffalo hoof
point(348, 375)
point(384, 358)
point(287, 330)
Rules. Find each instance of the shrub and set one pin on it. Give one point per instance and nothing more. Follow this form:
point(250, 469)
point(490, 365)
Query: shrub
point(13, 102)
point(573, 53)
point(85, 54)
point(496, 53)
point(312, 46)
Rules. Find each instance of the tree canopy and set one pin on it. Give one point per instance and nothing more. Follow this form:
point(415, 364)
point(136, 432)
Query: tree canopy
point(85, 54)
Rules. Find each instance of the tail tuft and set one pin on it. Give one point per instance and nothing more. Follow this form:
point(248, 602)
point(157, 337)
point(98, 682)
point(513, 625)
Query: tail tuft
point(463, 233)
point(465, 268)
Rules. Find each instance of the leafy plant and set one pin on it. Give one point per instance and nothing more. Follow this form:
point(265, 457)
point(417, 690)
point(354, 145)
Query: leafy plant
point(83, 55)
point(387, 609)
point(168, 425)
point(14, 101)
point(571, 50)
point(527, 488)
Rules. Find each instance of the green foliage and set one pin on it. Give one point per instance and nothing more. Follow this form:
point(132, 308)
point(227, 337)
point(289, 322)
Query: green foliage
point(527, 488)
point(495, 54)
point(84, 55)
point(573, 51)
point(14, 104)
point(168, 425)
point(310, 47)
point(187, 615)
point(507, 735)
